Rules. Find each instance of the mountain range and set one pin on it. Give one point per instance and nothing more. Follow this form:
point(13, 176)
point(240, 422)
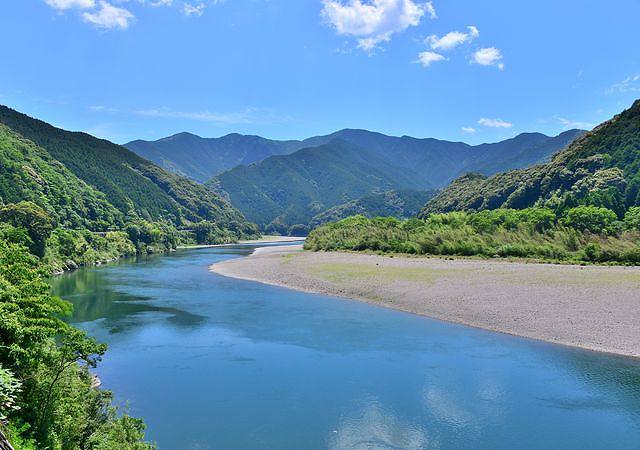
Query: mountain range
point(286, 190)
point(600, 168)
point(90, 183)
point(281, 184)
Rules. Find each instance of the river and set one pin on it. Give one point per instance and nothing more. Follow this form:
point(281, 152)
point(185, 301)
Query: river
point(219, 363)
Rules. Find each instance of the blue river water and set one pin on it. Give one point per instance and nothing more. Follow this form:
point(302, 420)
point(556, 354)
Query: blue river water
point(217, 363)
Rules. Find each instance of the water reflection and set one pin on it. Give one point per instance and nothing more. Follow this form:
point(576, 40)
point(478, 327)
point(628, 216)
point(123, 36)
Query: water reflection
point(234, 364)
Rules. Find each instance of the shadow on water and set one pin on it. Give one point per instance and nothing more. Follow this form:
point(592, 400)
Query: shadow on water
point(237, 364)
point(95, 296)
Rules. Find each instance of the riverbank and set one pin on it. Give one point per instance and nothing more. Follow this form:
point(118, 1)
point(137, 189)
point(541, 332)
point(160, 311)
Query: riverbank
point(592, 307)
point(263, 240)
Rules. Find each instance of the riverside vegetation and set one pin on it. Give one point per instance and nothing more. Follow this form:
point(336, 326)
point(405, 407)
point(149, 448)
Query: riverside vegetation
point(582, 234)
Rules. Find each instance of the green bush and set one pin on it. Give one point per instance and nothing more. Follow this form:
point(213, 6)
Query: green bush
point(632, 218)
point(590, 218)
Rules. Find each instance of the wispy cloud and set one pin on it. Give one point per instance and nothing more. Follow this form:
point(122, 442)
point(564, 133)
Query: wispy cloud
point(104, 14)
point(193, 9)
point(570, 124)
point(246, 116)
point(427, 58)
point(102, 108)
point(374, 22)
point(489, 56)
point(452, 39)
point(109, 17)
point(494, 123)
point(70, 4)
point(468, 130)
point(629, 84)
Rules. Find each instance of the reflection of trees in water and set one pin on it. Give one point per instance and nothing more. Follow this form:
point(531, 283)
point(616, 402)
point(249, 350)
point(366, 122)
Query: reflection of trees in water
point(93, 297)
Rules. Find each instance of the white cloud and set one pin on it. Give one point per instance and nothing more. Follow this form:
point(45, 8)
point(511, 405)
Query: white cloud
point(431, 10)
point(375, 21)
point(204, 116)
point(570, 124)
point(193, 10)
point(452, 39)
point(69, 4)
point(489, 56)
point(468, 130)
point(161, 3)
point(629, 84)
point(102, 108)
point(494, 123)
point(427, 58)
point(109, 16)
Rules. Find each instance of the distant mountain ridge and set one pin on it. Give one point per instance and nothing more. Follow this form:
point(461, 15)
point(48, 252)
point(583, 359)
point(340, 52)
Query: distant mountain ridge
point(203, 158)
point(286, 190)
point(601, 168)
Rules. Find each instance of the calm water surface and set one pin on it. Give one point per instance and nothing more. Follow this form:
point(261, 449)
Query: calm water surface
point(216, 363)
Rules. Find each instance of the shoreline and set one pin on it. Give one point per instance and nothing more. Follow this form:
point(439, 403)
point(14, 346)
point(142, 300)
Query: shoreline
point(595, 308)
point(263, 240)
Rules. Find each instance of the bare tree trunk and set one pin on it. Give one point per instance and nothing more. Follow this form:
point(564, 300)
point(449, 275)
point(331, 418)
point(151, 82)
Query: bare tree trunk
point(4, 442)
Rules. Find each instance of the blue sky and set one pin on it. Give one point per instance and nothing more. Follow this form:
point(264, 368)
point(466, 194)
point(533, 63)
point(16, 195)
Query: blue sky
point(476, 71)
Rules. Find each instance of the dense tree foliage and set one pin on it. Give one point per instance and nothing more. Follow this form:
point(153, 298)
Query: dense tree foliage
point(33, 220)
point(584, 234)
point(401, 204)
point(48, 396)
point(89, 183)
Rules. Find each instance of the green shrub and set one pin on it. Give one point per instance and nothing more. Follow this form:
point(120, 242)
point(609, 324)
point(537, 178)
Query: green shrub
point(590, 218)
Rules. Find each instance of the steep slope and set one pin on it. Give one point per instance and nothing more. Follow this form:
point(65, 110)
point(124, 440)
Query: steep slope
point(27, 172)
point(402, 204)
point(287, 190)
point(601, 167)
point(133, 186)
point(203, 158)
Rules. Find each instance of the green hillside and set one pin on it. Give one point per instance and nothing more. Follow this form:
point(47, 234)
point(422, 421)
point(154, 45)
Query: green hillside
point(601, 168)
point(28, 172)
point(88, 182)
point(290, 190)
point(402, 204)
point(286, 190)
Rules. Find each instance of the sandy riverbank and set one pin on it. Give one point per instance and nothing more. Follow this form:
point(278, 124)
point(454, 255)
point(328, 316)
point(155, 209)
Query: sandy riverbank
point(592, 307)
point(263, 240)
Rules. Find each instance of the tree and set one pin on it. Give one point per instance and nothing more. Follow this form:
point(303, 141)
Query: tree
point(35, 220)
point(632, 218)
point(590, 218)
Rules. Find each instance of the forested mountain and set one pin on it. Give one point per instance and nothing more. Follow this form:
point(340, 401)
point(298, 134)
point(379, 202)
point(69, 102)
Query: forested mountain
point(85, 182)
point(203, 158)
point(286, 190)
point(601, 168)
point(402, 204)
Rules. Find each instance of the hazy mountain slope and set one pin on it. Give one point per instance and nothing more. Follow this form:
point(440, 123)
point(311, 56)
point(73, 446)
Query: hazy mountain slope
point(602, 167)
point(438, 161)
point(286, 190)
point(134, 186)
point(202, 158)
point(402, 204)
